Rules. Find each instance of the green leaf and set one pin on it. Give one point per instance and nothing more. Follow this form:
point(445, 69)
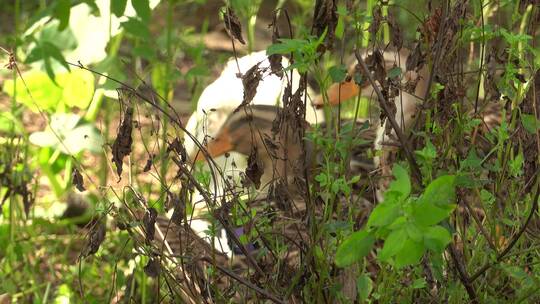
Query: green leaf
point(393, 244)
point(142, 7)
point(10, 123)
point(52, 51)
point(429, 152)
point(419, 283)
point(384, 214)
point(472, 161)
point(364, 286)
point(402, 182)
point(441, 191)
point(118, 7)
point(516, 164)
point(436, 238)
point(44, 92)
point(487, 197)
point(338, 73)
point(286, 46)
point(136, 28)
point(78, 88)
point(414, 232)
point(62, 12)
point(354, 247)
point(427, 214)
point(394, 72)
point(530, 123)
point(145, 51)
point(410, 254)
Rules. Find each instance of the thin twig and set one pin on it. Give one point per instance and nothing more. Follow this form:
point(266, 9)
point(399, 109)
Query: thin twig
point(242, 281)
point(514, 240)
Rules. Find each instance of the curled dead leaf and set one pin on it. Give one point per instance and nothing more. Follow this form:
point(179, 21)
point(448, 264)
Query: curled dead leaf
point(232, 24)
point(152, 268)
point(122, 144)
point(96, 237)
point(250, 81)
point(77, 180)
point(149, 221)
point(255, 168)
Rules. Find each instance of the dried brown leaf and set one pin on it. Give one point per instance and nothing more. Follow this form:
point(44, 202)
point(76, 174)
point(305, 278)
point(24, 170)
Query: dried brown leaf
point(250, 81)
point(376, 22)
point(375, 63)
point(232, 24)
point(149, 221)
point(396, 37)
point(416, 59)
point(149, 163)
point(122, 144)
point(177, 146)
point(152, 268)
point(96, 237)
point(255, 168)
point(275, 60)
point(325, 19)
point(77, 180)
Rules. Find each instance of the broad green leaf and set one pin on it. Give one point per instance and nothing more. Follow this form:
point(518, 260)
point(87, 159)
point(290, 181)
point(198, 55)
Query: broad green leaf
point(145, 51)
point(78, 88)
point(61, 12)
point(384, 214)
point(354, 247)
point(410, 254)
point(286, 46)
point(413, 232)
point(530, 123)
point(74, 89)
point(338, 73)
point(436, 238)
point(136, 28)
point(393, 244)
point(402, 182)
point(53, 52)
point(142, 7)
point(340, 26)
point(118, 7)
point(364, 286)
point(45, 93)
point(427, 214)
point(441, 191)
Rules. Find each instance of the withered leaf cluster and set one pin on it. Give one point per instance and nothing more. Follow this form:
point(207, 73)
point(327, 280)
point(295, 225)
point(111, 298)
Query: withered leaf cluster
point(325, 19)
point(122, 144)
point(275, 59)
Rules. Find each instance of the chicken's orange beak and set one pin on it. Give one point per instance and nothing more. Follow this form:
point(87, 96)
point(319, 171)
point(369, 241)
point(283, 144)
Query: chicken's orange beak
point(338, 92)
point(218, 146)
